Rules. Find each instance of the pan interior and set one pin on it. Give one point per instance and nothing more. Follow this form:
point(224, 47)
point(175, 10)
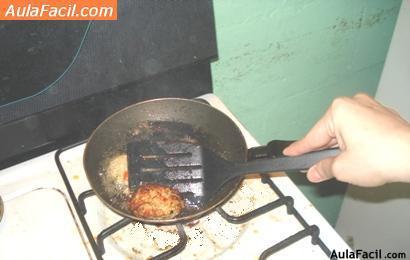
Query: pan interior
point(193, 192)
point(169, 120)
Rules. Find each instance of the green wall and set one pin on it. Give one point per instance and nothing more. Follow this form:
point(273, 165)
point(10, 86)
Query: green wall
point(282, 62)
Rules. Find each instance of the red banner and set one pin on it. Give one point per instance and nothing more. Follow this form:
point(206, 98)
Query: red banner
point(58, 9)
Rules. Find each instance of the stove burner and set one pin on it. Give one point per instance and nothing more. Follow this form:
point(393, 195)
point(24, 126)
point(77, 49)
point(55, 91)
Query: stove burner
point(287, 201)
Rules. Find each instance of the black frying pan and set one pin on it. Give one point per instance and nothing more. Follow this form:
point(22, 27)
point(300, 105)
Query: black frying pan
point(153, 127)
point(202, 123)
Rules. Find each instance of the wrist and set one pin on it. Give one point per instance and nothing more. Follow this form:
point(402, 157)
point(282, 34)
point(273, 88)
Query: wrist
point(403, 173)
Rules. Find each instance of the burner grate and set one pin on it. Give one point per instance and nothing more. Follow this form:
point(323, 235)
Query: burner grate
point(98, 244)
point(309, 230)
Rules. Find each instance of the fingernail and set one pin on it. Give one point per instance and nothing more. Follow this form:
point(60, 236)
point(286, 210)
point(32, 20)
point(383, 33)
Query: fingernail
point(313, 174)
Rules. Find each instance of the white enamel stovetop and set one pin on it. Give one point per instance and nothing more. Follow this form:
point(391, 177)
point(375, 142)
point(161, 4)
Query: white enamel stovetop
point(40, 221)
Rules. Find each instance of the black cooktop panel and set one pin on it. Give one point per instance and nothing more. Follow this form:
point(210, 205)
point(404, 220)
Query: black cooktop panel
point(148, 39)
point(38, 53)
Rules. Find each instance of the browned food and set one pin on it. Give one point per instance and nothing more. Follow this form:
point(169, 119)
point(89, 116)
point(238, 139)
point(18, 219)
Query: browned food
point(155, 201)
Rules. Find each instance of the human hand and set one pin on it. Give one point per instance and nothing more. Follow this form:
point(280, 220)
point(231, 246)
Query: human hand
point(374, 142)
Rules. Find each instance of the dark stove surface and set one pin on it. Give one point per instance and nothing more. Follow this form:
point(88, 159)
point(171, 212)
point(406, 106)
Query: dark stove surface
point(66, 124)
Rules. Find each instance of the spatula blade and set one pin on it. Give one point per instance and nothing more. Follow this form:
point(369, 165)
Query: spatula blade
point(175, 164)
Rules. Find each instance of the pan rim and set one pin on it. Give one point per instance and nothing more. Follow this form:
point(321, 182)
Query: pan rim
point(1, 208)
point(175, 220)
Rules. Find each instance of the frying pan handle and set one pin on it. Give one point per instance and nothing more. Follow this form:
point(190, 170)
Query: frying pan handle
point(272, 149)
point(276, 147)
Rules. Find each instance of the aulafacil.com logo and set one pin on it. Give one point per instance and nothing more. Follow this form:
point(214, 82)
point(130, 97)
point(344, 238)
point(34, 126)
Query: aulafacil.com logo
point(58, 9)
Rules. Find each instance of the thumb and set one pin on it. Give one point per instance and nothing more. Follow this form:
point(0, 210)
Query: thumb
point(322, 170)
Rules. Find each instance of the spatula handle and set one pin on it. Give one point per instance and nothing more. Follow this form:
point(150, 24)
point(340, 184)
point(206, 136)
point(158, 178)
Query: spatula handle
point(304, 161)
point(285, 163)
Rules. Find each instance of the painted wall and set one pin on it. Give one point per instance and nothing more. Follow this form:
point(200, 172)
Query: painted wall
point(380, 206)
point(282, 62)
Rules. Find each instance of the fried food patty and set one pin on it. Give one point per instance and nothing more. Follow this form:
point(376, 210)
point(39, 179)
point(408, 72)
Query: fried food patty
point(155, 201)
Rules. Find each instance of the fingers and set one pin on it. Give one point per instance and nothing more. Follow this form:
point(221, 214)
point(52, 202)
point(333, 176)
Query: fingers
point(321, 171)
point(320, 136)
point(365, 99)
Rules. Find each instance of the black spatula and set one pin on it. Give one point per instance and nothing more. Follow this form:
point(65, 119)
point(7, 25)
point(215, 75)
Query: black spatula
point(185, 163)
point(175, 164)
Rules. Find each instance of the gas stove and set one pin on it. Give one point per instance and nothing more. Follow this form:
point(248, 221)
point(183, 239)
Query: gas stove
point(50, 213)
